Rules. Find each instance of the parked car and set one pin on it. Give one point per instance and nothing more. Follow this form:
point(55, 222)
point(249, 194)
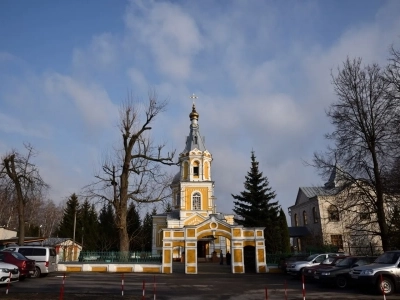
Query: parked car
point(25, 265)
point(45, 258)
point(383, 273)
point(8, 273)
point(284, 262)
point(329, 262)
point(339, 274)
point(296, 268)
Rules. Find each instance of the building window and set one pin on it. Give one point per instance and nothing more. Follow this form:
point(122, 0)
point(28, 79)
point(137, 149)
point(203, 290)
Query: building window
point(364, 213)
point(314, 214)
point(304, 217)
point(196, 201)
point(333, 213)
point(196, 169)
point(195, 140)
point(296, 220)
point(337, 240)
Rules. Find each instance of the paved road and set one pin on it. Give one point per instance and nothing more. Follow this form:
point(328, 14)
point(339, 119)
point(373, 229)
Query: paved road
point(212, 282)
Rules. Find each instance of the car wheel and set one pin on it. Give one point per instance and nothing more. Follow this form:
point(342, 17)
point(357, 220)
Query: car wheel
point(386, 285)
point(37, 272)
point(341, 282)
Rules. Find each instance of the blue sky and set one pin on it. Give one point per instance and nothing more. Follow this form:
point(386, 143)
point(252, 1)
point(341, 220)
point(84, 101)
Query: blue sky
point(261, 70)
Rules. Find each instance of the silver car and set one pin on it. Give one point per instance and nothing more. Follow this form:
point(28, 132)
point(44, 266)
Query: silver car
point(8, 273)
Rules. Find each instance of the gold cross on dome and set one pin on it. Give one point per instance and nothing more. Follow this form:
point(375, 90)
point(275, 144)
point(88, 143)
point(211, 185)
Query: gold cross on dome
point(193, 97)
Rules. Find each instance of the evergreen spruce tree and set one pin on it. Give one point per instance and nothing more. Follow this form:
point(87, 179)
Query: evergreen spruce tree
point(147, 232)
point(89, 223)
point(284, 230)
point(254, 206)
point(108, 239)
point(168, 207)
point(134, 228)
point(66, 226)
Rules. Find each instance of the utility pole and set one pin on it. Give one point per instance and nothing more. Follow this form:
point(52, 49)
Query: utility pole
point(73, 238)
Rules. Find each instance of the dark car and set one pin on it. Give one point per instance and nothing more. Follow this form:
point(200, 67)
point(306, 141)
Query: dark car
point(339, 274)
point(25, 265)
point(330, 262)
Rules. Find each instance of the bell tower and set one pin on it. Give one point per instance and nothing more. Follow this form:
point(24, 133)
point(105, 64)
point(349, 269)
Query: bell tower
point(192, 187)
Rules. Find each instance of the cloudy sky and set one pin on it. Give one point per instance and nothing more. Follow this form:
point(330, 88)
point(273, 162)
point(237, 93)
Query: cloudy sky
point(261, 71)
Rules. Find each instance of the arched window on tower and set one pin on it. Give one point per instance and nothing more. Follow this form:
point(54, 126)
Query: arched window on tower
point(296, 220)
point(196, 200)
point(196, 169)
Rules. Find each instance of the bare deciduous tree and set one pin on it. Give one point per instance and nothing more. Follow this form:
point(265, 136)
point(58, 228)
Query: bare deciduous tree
point(135, 172)
point(365, 138)
point(18, 171)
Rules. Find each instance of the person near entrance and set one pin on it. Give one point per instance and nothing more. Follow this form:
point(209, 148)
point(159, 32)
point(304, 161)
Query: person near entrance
point(228, 258)
point(221, 258)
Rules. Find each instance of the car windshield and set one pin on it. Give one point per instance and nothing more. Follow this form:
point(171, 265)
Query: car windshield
point(328, 261)
point(18, 255)
point(311, 257)
point(345, 262)
point(388, 258)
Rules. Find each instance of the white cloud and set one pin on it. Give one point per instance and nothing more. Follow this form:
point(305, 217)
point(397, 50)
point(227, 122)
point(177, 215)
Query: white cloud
point(91, 100)
point(169, 32)
point(101, 54)
point(13, 125)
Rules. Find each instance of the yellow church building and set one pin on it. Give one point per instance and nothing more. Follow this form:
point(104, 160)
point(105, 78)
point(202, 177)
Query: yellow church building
point(193, 232)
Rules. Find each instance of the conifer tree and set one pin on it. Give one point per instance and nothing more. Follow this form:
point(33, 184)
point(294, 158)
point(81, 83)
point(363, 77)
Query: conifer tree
point(134, 227)
point(147, 232)
point(168, 207)
point(66, 227)
point(254, 206)
point(108, 239)
point(284, 231)
point(88, 223)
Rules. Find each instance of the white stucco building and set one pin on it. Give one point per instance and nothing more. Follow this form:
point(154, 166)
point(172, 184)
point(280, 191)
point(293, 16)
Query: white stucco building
point(325, 218)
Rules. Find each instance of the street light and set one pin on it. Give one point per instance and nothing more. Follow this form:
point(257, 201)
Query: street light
point(40, 227)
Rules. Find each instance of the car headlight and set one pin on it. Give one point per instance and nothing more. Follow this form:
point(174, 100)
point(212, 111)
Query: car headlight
point(325, 273)
point(5, 270)
point(367, 272)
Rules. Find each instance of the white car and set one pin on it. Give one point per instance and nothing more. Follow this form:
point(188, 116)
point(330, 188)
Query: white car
point(296, 268)
point(8, 273)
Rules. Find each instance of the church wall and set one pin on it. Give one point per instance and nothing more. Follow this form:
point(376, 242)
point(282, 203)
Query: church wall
point(206, 170)
point(204, 197)
point(185, 170)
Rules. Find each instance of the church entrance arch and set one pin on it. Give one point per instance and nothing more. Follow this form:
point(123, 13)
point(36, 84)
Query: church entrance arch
point(198, 246)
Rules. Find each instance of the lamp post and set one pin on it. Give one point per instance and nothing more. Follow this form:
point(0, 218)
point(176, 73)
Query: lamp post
point(40, 227)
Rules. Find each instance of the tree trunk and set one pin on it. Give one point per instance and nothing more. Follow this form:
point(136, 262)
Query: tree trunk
point(123, 232)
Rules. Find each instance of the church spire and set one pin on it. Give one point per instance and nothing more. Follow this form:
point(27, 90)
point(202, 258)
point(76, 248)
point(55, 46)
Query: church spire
point(194, 140)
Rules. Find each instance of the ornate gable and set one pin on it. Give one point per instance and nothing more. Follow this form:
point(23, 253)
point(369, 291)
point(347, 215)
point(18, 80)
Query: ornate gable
point(194, 219)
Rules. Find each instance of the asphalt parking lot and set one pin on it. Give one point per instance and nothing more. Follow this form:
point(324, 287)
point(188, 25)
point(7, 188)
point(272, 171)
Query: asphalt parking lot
point(212, 282)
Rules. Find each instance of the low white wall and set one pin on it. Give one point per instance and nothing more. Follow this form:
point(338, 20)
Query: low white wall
point(87, 267)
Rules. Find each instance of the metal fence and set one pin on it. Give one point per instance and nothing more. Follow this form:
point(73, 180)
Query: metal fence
point(116, 257)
